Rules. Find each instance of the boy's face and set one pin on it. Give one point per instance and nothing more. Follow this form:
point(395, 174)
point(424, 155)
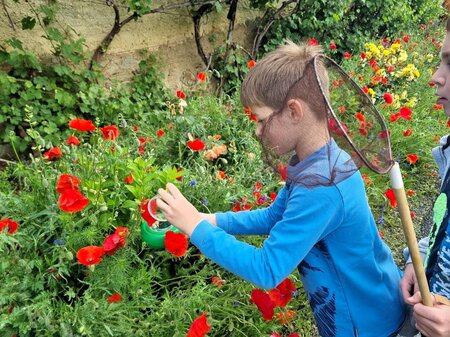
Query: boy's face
point(442, 76)
point(274, 130)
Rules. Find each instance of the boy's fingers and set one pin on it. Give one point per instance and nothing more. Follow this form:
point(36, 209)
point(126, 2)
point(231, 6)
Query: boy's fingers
point(174, 191)
point(167, 197)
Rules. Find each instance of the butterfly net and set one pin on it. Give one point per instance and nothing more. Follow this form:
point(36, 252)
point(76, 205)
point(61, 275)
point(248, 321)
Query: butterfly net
point(353, 120)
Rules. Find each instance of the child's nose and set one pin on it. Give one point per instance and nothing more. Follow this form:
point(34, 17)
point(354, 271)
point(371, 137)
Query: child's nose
point(437, 78)
point(258, 131)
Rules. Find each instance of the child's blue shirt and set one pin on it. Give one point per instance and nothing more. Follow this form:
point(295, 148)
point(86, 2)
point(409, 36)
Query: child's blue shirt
point(329, 234)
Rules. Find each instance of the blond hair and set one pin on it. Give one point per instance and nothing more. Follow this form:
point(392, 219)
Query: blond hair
point(272, 79)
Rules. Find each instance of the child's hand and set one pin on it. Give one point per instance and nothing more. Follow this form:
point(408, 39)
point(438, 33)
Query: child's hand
point(409, 285)
point(178, 211)
point(433, 321)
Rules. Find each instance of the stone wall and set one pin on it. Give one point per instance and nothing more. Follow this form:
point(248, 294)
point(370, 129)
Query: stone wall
point(168, 35)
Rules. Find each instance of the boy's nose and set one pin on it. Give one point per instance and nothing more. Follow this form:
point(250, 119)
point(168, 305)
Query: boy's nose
point(437, 78)
point(258, 131)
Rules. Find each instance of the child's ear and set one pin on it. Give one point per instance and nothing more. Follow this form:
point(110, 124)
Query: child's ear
point(296, 109)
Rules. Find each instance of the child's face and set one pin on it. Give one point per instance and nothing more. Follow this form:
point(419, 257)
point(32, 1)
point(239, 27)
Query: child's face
point(274, 130)
point(442, 76)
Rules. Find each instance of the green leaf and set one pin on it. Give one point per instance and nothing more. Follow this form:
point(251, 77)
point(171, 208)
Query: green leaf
point(28, 23)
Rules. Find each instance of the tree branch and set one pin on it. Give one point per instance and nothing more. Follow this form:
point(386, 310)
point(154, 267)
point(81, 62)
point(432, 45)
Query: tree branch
point(118, 25)
point(11, 22)
point(196, 16)
point(263, 30)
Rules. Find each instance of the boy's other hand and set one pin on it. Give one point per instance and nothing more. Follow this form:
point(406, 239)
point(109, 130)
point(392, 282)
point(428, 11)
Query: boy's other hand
point(432, 321)
point(409, 285)
point(178, 211)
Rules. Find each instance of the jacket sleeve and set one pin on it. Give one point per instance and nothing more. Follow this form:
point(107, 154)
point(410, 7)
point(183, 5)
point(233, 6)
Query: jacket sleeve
point(423, 247)
point(257, 222)
point(303, 224)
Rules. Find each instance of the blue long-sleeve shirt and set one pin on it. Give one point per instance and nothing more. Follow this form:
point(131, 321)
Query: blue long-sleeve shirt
point(329, 233)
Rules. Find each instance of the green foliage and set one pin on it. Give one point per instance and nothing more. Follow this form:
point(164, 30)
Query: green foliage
point(350, 23)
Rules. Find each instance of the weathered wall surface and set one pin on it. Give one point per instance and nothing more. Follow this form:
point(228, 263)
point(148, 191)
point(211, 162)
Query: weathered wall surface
point(168, 35)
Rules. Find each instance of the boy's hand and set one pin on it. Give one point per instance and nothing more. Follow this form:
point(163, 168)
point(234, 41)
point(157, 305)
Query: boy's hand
point(432, 321)
point(178, 211)
point(409, 285)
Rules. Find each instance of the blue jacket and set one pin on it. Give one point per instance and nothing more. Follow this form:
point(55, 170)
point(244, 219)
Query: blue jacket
point(329, 234)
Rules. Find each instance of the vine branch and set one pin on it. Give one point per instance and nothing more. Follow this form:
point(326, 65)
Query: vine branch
point(118, 25)
point(11, 22)
point(262, 30)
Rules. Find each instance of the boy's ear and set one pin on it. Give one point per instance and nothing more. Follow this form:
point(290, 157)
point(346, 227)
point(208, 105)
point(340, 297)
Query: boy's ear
point(296, 109)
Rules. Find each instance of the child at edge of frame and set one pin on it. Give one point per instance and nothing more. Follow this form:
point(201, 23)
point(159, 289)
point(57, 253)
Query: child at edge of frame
point(434, 321)
point(320, 221)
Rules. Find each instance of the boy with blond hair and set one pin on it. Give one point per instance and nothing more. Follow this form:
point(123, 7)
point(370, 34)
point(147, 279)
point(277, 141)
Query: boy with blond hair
point(320, 222)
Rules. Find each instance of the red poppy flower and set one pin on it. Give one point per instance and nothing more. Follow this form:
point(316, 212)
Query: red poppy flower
point(181, 94)
point(250, 115)
point(217, 281)
point(90, 255)
point(199, 327)
point(394, 117)
point(53, 153)
point(82, 125)
point(388, 98)
point(110, 132)
point(274, 334)
point(264, 303)
point(286, 316)
point(10, 224)
point(72, 201)
point(180, 177)
point(405, 113)
point(145, 213)
point(333, 45)
point(176, 243)
point(347, 55)
point(128, 179)
point(282, 170)
point(251, 63)
point(72, 140)
point(359, 116)
point(380, 234)
point(221, 174)
point(160, 133)
point(438, 107)
point(195, 145)
point(363, 56)
point(407, 133)
point(123, 232)
point(282, 294)
point(410, 193)
point(135, 128)
point(391, 196)
point(312, 42)
point(412, 158)
point(114, 298)
point(112, 243)
point(201, 76)
point(67, 182)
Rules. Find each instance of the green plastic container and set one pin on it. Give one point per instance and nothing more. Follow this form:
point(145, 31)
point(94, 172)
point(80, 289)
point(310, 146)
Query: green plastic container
point(154, 236)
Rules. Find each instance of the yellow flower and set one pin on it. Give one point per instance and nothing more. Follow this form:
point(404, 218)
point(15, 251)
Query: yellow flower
point(403, 56)
point(395, 46)
point(412, 102)
point(430, 58)
point(371, 92)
